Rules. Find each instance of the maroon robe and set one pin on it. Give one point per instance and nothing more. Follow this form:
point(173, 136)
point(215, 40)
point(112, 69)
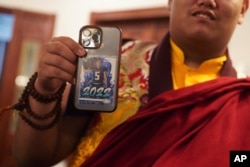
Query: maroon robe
point(196, 126)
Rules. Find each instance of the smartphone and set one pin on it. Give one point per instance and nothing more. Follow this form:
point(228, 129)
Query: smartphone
point(98, 73)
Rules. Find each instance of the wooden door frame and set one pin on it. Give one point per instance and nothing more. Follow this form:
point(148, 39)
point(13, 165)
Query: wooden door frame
point(10, 70)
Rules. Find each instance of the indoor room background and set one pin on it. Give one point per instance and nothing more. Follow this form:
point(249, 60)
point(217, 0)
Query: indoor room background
point(71, 15)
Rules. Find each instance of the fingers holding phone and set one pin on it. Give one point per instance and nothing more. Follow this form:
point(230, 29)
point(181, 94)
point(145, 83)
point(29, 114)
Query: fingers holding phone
point(57, 63)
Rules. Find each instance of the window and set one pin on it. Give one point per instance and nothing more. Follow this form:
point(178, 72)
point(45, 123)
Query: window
point(6, 29)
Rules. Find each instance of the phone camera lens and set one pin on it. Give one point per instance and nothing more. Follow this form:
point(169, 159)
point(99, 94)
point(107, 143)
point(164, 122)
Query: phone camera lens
point(86, 42)
point(96, 37)
point(86, 33)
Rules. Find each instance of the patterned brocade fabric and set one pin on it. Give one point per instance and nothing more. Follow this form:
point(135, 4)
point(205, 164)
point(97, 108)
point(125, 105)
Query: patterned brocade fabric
point(133, 93)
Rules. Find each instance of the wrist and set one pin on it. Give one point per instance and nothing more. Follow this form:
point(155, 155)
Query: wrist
point(46, 87)
point(42, 95)
point(29, 115)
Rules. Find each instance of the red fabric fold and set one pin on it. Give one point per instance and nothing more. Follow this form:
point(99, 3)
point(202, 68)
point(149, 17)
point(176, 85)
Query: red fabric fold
point(196, 126)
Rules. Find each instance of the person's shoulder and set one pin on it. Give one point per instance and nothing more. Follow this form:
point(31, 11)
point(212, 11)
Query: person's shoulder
point(137, 46)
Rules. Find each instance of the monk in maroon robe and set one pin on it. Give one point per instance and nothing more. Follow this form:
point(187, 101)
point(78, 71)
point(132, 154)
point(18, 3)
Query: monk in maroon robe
point(195, 126)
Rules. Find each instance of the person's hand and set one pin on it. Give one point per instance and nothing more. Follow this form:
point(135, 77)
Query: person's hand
point(57, 64)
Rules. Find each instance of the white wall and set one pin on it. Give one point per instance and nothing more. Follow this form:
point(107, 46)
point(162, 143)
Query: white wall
point(72, 14)
point(240, 46)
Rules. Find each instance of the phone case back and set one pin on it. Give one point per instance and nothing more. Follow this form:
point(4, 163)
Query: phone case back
point(97, 74)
